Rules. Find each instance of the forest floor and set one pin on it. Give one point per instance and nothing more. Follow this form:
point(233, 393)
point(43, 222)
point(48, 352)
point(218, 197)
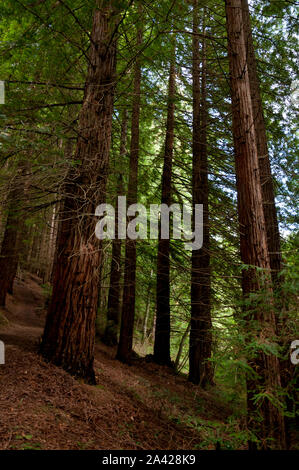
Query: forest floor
point(143, 406)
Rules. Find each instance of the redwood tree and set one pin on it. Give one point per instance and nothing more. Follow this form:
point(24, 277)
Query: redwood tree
point(200, 369)
point(162, 330)
point(69, 334)
point(13, 233)
point(264, 418)
point(9, 251)
point(270, 212)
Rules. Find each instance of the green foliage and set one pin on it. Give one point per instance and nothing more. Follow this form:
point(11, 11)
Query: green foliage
point(44, 59)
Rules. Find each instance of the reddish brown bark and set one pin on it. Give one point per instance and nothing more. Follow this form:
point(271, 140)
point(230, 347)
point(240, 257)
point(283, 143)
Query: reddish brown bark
point(265, 420)
point(69, 334)
point(68, 154)
point(162, 330)
point(268, 194)
point(125, 344)
point(200, 348)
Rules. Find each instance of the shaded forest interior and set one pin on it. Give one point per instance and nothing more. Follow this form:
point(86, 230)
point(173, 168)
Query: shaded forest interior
point(133, 339)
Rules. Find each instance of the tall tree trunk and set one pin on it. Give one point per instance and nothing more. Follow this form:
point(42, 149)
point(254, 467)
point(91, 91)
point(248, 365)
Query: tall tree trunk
point(114, 296)
point(200, 349)
point(68, 154)
point(264, 418)
point(44, 244)
point(9, 252)
point(12, 239)
point(125, 344)
point(68, 339)
point(162, 331)
point(270, 213)
point(52, 241)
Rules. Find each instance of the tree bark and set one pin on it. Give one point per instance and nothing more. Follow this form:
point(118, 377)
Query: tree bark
point(162, 330)
point(268, 194)
point(114, 296)
point(9, 253)
point(125, 344)
point(264, 418)
point(69, 335)
point(68, 154)
point(200, 348)
point(12, 239)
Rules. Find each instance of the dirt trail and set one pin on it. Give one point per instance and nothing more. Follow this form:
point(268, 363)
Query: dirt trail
point(41, 407)
point(25, 313)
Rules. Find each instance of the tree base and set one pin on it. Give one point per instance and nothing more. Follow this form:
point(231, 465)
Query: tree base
point(87, 374)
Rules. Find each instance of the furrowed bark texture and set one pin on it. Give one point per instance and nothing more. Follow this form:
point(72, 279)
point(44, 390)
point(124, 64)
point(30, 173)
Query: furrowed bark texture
point(264, 418)
point(68, 339)
point(268, 194)
point(270, 212)
point(200, 347)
